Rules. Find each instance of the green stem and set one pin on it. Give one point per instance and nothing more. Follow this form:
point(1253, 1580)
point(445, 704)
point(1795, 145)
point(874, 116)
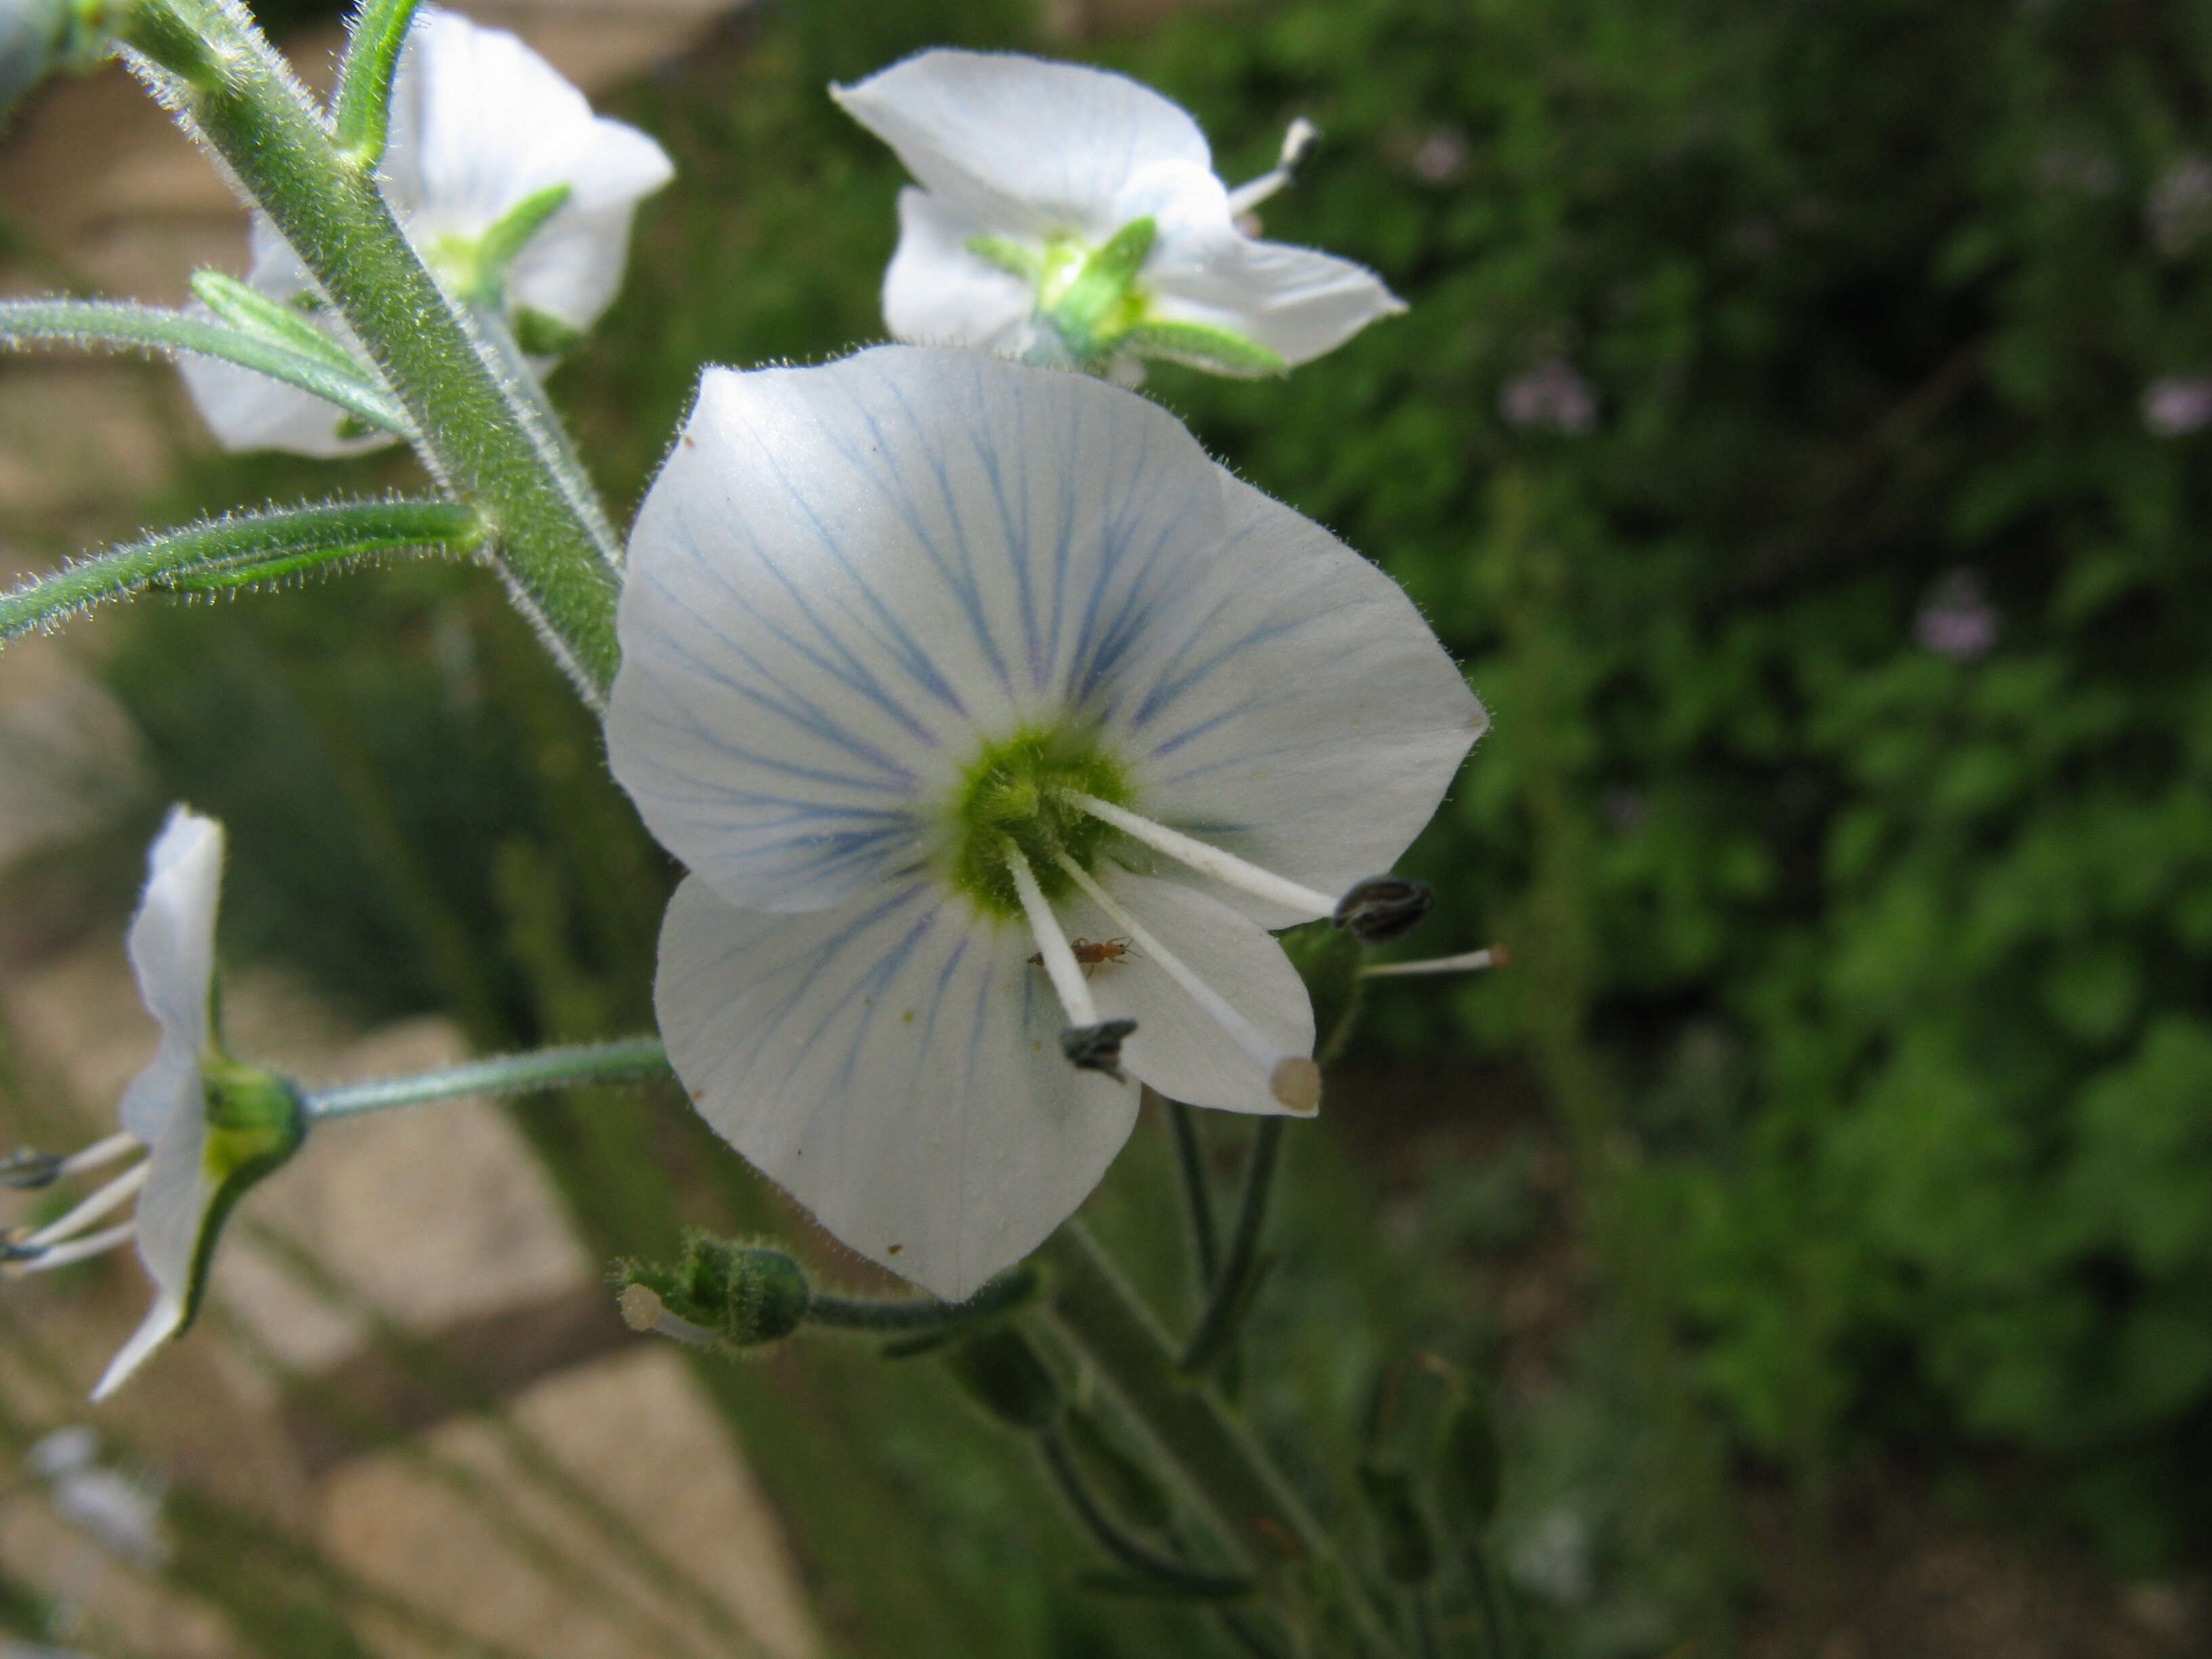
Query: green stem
point(1197, 1193)
point(636, 1060)
point(860, 1313)
point(1241, 1492)
point(477, 431)
point(1165, 1571)
point(1231, 1290)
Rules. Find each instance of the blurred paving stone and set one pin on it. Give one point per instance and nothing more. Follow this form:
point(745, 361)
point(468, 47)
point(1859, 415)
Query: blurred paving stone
point(632, 1428)
point(435, 1213)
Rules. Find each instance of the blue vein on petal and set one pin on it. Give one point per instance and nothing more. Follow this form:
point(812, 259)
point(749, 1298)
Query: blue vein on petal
point(801, 712)
point(854, 673)
point(903, 648)
point(965, 584)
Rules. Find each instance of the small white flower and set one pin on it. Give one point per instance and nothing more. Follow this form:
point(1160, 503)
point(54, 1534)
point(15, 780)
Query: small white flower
point(1069, 215)
point(486, 140)
point(990, 715)
point(210, 1127)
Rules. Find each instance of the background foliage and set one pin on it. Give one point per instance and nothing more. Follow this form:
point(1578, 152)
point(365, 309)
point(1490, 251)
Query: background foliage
point(1849, 802)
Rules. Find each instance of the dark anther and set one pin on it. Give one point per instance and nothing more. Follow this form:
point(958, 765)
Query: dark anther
point(11, 1251)
point(27, 1168)
point(1097, 1048)
point(1383, 908)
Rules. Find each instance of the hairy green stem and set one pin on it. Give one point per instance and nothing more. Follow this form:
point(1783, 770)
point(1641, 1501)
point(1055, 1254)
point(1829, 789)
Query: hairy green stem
point(1230, 1293)
point(1197, 1193)
point(922, 1313)
point(634, 1061)
point(1240, 1489)
point(1166, 1571)
point(476, 430)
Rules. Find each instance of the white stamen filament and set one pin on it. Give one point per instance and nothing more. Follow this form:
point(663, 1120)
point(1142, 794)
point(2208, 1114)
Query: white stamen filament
point(1225, 868)
point(1060, 963)
point(1298, 143)
point(1292, 1079)
point(108, 1198)
point(107, 1150)
point(77, 1249)
point(1467, 961)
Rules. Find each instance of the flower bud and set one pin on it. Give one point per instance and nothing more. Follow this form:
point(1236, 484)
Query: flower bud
point(744, 1295)
point(1402, 1536)
point(1002, 1371)
point(1469, 1468)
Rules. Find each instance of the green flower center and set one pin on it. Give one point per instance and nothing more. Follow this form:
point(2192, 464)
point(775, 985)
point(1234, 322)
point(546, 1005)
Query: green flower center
point(1014, 792)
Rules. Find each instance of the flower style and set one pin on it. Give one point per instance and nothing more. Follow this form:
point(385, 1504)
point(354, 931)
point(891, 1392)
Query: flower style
point(1069, 215)
point(211, 1126)
point(514, 193)
point(943, 675)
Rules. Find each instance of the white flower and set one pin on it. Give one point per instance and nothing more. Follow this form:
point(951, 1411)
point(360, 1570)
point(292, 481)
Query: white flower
point(487, 143)
point(211, 1126)
point(989, 715)
point(1066, 214)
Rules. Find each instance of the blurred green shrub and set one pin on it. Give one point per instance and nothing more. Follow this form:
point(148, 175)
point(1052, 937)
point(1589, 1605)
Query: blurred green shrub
point(1843, 359)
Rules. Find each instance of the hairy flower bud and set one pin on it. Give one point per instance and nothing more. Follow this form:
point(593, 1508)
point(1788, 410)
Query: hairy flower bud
point(743, 1295)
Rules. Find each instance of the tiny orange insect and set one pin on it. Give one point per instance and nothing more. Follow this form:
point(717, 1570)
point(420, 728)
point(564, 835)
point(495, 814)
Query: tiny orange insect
point(1089, 953)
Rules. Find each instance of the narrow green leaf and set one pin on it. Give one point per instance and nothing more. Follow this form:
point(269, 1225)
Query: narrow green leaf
point(254, 312)
point(120, 326)
point(231, 552)
point(540, 334)
point(377, 32)
point(1012, 258)
point(499, 247)
point(1202, 347)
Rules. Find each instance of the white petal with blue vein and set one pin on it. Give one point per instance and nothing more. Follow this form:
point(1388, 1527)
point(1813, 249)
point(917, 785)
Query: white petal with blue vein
point(846, 579)
point(895, 1064)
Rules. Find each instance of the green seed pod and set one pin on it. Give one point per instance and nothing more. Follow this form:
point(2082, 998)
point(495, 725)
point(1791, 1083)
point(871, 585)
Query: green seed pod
point(1005, 1375)
point(1402, 1535)
point(1469, 1468)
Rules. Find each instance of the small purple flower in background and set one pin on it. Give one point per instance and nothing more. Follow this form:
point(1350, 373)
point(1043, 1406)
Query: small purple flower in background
point(2175, 405)
point(1625, 808)
point(2179, 209)
point(1553, 396)
point(1957, 618)
point(1442, 157)
point(2080, 169)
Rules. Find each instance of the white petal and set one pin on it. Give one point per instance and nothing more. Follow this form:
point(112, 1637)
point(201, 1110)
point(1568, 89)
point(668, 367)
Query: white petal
point(1297, 302)
point(938, 293)
point(895, 1065)
point(1029, 145)
point(1178, 1048)
point(172, 1211)
point(173, 954)
point(1302, 716)
point(480, 124)
point(847, 578)
point(247, 410)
